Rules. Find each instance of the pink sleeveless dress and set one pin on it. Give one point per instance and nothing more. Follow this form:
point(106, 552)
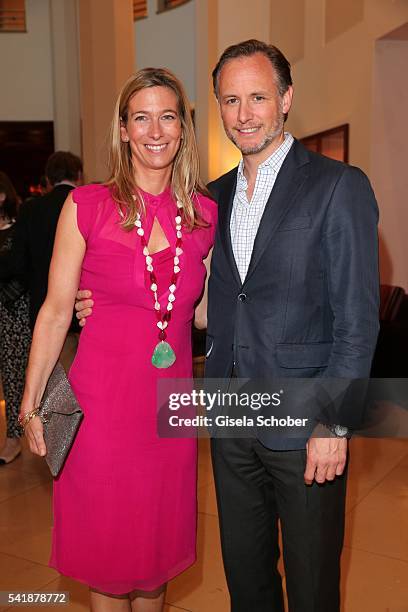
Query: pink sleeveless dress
point(125, 501)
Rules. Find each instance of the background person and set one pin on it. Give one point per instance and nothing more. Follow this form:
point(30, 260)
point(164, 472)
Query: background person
point(35, 231)
point(15, 333)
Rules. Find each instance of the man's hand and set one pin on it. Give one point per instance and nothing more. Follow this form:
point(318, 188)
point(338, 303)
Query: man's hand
point(83, 305)
point(326, 456)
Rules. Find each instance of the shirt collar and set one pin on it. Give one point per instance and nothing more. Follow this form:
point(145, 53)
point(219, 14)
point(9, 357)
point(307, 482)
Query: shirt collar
point(65, 182)
point(273, 162)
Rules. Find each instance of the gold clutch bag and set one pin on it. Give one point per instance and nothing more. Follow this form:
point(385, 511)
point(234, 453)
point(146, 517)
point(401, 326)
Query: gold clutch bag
point(61, 416)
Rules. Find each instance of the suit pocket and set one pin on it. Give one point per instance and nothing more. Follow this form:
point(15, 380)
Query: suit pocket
point(295, 223)
point(309, 355)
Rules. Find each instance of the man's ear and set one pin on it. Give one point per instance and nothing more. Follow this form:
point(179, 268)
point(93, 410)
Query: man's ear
point(2, 197)
point(287, 99)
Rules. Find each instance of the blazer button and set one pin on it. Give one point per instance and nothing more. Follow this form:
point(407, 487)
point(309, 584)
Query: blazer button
point(242, 297)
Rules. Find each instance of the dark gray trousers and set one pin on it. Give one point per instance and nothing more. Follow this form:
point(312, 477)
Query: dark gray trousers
point(255, 487)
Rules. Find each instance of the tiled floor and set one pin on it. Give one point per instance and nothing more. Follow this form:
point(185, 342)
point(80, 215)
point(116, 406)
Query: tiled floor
point(375, 559)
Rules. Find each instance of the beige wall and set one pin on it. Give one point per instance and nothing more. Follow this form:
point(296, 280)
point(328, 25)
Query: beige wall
point(342, 16)
point(291, 39)
point(168, 39)
point(389, 156)
point(65, 76)
point(206, 119)
point(26, 70)
point(228, 22)
point(107, 60)
point(333, 82)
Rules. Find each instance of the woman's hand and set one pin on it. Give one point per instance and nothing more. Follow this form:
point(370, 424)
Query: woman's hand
point(34, 433)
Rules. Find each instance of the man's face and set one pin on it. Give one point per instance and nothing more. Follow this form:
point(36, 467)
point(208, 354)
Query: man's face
point(252, 110)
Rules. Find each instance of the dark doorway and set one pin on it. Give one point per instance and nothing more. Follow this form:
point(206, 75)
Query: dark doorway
point(24, 149)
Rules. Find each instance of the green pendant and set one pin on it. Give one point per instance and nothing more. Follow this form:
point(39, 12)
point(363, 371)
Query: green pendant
point(163, 355)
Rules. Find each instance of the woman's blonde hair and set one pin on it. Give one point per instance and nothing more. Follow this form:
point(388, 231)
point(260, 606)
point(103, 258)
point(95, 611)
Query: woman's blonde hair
point(185, 178)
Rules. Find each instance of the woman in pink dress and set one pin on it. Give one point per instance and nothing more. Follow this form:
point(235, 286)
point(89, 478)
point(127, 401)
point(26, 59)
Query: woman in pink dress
point(125, 500)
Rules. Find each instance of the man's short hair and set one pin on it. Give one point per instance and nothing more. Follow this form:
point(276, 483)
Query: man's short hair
point(251, 47)
point(63, 166)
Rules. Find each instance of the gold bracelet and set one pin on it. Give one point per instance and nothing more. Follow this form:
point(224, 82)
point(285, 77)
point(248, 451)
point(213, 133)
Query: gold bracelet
point(25, 419)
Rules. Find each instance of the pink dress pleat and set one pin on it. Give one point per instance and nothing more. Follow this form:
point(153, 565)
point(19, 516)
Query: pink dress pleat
point(125, 502)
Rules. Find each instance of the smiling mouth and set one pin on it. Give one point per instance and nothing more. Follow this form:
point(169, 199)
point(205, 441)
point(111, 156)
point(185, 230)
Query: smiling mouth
point(249, 131)
point(156, 148)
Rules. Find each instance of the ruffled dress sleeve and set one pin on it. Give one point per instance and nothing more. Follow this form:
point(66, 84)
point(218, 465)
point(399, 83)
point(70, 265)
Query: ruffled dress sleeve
point(88, 199)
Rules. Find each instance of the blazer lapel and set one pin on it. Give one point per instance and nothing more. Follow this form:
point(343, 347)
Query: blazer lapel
point(225, 201)
point(289, 181)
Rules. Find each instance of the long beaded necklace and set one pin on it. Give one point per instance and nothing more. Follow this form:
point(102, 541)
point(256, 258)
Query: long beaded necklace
point(163, 354)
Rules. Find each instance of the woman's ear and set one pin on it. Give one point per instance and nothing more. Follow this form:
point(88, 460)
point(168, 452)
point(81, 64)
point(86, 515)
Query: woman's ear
point(123, 134)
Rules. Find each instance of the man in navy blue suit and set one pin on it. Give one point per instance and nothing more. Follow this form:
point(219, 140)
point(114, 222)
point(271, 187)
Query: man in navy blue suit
point(293, 292)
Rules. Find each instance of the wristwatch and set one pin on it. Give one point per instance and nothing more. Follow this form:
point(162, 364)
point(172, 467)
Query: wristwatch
point(340, 431)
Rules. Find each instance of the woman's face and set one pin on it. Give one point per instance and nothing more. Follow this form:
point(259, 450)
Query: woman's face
point(153, 128)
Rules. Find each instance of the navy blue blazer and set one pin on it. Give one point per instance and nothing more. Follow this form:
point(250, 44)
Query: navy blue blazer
point(309, 304)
